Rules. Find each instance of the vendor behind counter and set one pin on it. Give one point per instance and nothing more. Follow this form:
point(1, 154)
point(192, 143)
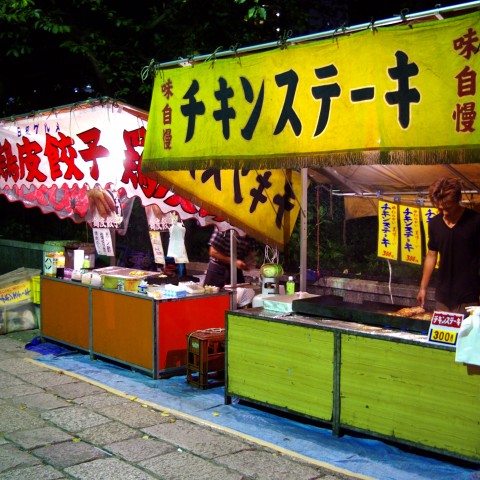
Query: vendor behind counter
point(218, 270)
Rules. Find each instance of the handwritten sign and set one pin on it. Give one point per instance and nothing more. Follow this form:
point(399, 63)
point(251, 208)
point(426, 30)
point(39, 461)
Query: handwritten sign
point(411, 239)
point(15, 294)
point(103, 242)
point(388, 230)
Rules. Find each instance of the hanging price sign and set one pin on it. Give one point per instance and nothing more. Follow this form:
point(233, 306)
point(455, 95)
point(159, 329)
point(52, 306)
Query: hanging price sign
point(444, 328)
point(388, 230)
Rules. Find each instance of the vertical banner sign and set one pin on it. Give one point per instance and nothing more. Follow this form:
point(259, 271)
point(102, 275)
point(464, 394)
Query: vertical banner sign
point(427, 214)
point(388, 230)
point(410, 234)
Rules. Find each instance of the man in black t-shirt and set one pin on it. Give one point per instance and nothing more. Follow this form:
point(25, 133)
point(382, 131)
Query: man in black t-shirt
point(454, 234)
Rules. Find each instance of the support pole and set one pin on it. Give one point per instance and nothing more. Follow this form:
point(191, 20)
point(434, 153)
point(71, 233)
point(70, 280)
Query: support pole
point(233, 259)
point(303, 232)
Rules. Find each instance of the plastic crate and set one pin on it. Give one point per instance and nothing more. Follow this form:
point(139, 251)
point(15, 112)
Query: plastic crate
point(206, 358)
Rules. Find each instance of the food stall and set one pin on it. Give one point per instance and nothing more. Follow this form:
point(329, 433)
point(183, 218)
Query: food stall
point(390, 383)
point(87, 156)
point(82, 158)
point(141, 331)
point(384, 98)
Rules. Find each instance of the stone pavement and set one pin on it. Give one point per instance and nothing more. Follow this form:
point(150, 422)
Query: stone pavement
point(54, 425)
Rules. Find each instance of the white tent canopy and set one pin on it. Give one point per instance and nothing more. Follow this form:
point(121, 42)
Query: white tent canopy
point(363, 185)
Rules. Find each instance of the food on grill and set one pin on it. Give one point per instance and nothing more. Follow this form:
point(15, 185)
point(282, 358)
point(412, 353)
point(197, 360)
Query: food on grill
point(409, 312)
point(423, 316)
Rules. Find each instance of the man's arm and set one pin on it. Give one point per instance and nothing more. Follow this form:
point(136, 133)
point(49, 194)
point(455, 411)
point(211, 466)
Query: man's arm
point(428, 268)
point(214, 253)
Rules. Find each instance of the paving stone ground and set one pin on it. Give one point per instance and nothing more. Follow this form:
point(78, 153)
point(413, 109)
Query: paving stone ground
point(55, 426)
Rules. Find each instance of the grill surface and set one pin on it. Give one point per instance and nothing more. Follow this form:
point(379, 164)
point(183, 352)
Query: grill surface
point(368, 313)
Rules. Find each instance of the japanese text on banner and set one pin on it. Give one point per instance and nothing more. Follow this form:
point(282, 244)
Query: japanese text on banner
point(15, 294)
point(285, 107)
point(387, 230)
point(427, 214)
point(410, 233)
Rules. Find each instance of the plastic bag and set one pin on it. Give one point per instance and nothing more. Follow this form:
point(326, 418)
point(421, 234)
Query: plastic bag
point(468, 342)
point(176, 246)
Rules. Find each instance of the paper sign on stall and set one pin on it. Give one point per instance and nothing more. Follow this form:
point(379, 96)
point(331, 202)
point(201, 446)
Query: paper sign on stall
point(411, 239)
point(388, 230)
point(156, 241)
point(103, 242)
point(444, 328)
point(427, 214)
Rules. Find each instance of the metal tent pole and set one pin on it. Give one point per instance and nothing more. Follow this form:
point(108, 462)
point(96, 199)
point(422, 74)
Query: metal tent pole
point(303, 231)
point(400, 18)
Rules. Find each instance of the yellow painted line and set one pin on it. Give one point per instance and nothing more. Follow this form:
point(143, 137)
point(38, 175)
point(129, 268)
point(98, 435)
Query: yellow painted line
point(201, 421)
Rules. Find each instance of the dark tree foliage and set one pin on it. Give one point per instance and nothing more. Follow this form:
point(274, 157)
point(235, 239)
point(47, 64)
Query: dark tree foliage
point(56, 52)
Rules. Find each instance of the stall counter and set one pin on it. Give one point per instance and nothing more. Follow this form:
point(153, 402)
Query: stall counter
point(131, 329)
point(390, 384)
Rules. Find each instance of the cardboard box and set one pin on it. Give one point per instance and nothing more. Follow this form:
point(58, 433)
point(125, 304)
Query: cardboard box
point(17, 311)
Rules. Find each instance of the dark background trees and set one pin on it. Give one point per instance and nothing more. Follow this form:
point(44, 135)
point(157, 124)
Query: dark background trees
point(58, 52)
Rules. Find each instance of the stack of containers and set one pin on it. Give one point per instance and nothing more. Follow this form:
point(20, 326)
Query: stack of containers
point(54, 257)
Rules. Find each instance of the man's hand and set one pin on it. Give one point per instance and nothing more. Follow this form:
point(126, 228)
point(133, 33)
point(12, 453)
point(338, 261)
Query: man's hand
point(422, 293)
point(242, 265)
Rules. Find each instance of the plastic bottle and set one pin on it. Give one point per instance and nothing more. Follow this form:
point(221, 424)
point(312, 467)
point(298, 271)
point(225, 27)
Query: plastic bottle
point(143, 287)
point(60, 265)
point(290, 286)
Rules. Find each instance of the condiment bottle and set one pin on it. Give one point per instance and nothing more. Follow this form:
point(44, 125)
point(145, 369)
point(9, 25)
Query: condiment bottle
point(60, 265)
point(290, 286)
point(143, 287)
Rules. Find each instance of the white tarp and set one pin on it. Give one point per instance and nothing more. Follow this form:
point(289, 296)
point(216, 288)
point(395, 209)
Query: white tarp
point(363, 185)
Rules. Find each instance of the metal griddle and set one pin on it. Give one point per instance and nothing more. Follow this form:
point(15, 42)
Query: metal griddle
point(368, 313)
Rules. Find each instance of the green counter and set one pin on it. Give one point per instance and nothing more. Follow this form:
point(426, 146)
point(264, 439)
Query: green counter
point(388, 384)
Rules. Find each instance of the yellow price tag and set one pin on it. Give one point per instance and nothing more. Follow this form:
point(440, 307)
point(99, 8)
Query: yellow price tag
point(443, 336)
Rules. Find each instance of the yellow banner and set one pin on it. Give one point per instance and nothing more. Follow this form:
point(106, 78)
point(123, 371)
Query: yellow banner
point(410, 234)
point(263, 203)
point(387, 230)
point(427, 214)
point(399, 94)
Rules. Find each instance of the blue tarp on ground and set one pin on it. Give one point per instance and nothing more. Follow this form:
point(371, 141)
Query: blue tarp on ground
point(359, 455)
